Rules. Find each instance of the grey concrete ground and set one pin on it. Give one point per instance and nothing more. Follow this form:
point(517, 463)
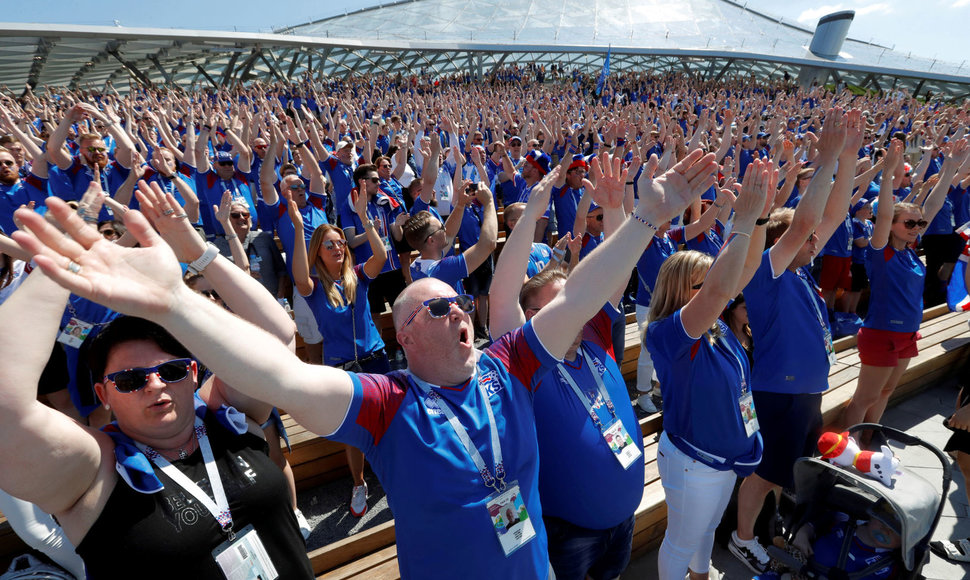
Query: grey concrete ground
point(326, 507)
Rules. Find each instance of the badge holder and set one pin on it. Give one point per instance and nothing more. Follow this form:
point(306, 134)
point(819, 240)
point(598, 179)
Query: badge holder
point(245, 557)
point(748, 414)
point(510, 519)
point(621, 444)
point(75, 332)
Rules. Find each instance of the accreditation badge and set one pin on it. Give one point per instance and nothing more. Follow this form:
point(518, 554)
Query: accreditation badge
point(621, 444)
point(245, 557)
point(510, 519)
point(748, 414)
point(75, 332)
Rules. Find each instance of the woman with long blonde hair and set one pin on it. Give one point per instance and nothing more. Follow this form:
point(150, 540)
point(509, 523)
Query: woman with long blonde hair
point(710, 428)
point(337, 295)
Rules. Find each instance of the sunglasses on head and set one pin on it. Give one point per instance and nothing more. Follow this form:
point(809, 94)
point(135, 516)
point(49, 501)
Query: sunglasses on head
point(910, 224)
point(131, 380)
point(238, 214)
point(331, 244)
point(440, 307)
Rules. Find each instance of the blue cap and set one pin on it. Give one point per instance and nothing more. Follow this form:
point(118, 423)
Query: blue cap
point(223, 156)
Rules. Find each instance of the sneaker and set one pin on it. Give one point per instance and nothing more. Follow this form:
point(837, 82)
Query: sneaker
point(305, 528)
point(712, 573)
point(358, 500)
point(645, 402)
point(750, 552)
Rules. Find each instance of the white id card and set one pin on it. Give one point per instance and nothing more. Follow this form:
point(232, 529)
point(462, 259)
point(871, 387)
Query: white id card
point(75, 332)
point(829, 347)
point(621, 444)
point(511, 521)
point(748, 415)
point(245, 558)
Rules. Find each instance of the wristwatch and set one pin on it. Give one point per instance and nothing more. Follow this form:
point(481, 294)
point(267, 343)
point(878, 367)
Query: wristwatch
point(203, 261)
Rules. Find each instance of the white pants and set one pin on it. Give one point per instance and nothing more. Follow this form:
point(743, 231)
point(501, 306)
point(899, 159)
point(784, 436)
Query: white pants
point(306, 323)
point(645, 372)
point(39, 531)
point(696, 496)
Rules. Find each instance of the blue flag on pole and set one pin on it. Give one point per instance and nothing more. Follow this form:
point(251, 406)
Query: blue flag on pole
point(604, 73)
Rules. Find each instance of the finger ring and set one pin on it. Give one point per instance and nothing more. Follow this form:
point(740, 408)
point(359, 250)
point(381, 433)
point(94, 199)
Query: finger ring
point(169, 211)
point(74, 267)
point(82, 211)
point(182, 215)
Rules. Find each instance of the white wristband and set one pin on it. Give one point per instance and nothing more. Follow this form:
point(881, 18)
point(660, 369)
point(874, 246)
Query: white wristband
point(203, 261)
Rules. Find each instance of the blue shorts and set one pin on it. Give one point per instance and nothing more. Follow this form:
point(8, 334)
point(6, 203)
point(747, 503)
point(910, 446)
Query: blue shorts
point(576, 552)
point(790, 426)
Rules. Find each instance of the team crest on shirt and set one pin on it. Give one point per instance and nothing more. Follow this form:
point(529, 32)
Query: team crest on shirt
point(599, 366)
point(432, 405)
point(491, 382)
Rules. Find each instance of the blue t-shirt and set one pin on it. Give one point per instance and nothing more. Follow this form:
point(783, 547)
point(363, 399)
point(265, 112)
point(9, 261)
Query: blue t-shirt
point(278, 218)
point(861, 229)
point(434, 489)
point(342, 326)
point(786, 319)
point(576, 460)
point(944, 222)
point(840, 244)
point(709, 242)
point(648, 266)
point(565, 200)
point(381, 207)
point(342, 176)
point(961, 205)
point(539, 257)
point(209, 187)
point(702, 381)
point(450, 269)
point(590, 243)
point(896, 280)
point(31, 189)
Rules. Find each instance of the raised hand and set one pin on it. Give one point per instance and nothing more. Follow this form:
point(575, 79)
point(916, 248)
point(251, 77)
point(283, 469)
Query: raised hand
point(667, 196)
point(222, 210)
point(610, 177)
point(854, 130)
point(142, 281)
point(750, 204)
point(169, 219)
point(833, 134)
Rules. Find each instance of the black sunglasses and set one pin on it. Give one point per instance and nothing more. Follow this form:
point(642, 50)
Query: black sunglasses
point(225, 163)
point(106, 232)
point(8, 163)
point(598, 217)
point(374, 179)
point(440, 307)
point(910, 224)
point(131, 380)
point(210, 294)
point(238, 214)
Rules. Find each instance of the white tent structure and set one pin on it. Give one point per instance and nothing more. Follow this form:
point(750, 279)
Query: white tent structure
point(709, 39)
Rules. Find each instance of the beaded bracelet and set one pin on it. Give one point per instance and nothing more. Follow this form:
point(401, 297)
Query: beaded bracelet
point(644, 222)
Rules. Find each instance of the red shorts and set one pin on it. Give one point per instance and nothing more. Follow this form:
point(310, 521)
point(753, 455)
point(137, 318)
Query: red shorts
point(836, 273)
point(884, 348)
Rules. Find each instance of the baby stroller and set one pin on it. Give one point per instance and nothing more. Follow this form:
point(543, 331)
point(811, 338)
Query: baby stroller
point(912, 507)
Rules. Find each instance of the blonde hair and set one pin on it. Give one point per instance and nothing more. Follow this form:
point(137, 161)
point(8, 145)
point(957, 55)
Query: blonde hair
point(672, 289)
point(347, 276)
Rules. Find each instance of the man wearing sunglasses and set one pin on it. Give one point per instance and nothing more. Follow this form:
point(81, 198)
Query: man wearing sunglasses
point(453, 438)
point(15, 191)
point(228, 170)
point(73, 173)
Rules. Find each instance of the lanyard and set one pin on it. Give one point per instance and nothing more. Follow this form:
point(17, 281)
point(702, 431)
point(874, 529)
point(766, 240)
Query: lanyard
point(496, 482)
point(744, 382)
point(812, 294)
point(600, 387)
point(218, 508)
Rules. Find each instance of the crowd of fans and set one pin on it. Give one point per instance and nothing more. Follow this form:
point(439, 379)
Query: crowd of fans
point(708, 208)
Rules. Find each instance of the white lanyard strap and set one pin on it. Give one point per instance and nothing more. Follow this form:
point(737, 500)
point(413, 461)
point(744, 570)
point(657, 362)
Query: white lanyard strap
point(744, 382)
point(812, 294)
point(496, 482)
point(218, 508)
point(600, 387)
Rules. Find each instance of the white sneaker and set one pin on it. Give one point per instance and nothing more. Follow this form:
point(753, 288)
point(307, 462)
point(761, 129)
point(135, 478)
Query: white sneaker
point(645, 402)
point(358, 500)
point(750, 552)
point(305, 528)
point(712, 573)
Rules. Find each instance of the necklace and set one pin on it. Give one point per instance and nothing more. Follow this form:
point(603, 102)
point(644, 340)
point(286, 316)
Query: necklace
point(183, 451)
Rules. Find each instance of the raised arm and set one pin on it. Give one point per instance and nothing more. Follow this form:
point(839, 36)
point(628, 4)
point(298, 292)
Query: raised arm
point(56, 151)
point(837, 207)
point(146, 282)
point(721, 283)
point(483, 248)
point(595, 278)
point(810, 208)
point(886, 209)
point(959, 151)
point(505, 314)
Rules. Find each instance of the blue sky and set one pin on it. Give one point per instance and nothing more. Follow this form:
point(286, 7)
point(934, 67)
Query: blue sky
point(929, 28)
